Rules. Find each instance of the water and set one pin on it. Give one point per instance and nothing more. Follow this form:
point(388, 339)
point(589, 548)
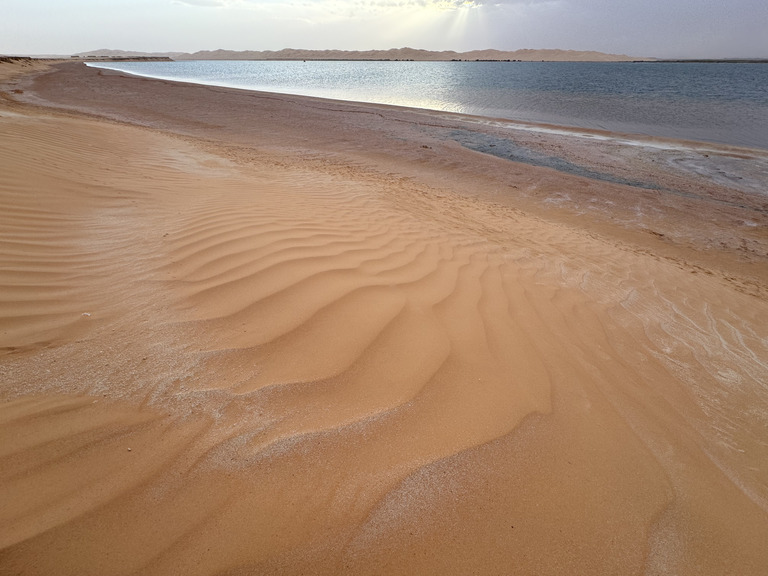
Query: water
point(711, 102)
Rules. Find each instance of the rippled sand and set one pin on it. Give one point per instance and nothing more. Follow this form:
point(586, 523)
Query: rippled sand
point(250, 334)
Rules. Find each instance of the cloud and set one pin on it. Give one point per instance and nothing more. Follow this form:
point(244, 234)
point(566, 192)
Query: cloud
point(460, 3)
point(206, 3)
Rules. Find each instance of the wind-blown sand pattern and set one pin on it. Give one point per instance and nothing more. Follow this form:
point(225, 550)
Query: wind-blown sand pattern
point(250, 334)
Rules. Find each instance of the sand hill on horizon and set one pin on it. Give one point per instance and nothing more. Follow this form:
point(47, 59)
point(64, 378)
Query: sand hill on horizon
point(526, 55)
point(409, 54)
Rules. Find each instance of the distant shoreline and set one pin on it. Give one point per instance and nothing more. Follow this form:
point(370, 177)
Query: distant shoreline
point(394, 54)
point(180, 59)
point(169, 59)
point(405, 54)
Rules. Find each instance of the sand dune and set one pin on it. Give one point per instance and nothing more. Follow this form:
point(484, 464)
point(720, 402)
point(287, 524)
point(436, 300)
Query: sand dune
point(404, 54)
point(236, 351)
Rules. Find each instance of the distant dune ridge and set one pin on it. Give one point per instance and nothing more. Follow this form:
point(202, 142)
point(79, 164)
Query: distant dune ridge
point(391, 54)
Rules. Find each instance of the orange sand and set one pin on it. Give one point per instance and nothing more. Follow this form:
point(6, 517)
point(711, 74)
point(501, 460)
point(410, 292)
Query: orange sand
point(256, 334)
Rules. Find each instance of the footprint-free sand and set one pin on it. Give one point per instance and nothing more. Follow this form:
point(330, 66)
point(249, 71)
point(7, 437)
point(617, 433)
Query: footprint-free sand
point(247, 333)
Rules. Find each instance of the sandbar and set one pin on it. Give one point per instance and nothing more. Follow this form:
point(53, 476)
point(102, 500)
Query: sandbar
point(250, 333)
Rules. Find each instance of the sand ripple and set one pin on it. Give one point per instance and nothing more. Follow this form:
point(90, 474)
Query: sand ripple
point(212, 365)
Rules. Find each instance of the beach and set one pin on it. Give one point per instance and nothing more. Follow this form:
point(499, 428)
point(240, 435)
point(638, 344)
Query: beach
point(250, 333)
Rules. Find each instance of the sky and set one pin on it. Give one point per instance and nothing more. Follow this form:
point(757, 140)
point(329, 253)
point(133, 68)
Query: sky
point(647, 28)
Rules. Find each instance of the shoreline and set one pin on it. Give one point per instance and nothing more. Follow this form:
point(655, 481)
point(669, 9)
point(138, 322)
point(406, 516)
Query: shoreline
point(574, 128)
point(253, 333)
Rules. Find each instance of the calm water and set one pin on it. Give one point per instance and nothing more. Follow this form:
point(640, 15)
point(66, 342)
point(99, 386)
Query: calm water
point(725, 103)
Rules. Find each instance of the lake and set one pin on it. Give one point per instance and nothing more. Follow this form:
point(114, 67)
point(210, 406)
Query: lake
point(711, 102)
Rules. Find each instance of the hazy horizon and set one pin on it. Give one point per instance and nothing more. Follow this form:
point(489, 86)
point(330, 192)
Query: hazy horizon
point(656, 28)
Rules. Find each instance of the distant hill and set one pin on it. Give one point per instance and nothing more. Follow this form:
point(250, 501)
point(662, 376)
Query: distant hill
point(410, 54)
point(391, 54)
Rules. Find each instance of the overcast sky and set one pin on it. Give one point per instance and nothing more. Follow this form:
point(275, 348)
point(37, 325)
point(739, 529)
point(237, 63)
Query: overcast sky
point(659, 28)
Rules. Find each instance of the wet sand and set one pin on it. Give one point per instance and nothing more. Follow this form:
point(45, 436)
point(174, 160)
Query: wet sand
point(246, 333)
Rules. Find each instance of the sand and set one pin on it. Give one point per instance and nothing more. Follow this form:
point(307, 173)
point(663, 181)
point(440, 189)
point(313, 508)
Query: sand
point(245, 333)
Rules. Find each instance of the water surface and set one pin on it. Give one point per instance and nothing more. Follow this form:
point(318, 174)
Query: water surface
point(711, 102)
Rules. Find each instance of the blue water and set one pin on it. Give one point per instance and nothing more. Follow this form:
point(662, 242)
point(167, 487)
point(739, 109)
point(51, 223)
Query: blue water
point(714, 102)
